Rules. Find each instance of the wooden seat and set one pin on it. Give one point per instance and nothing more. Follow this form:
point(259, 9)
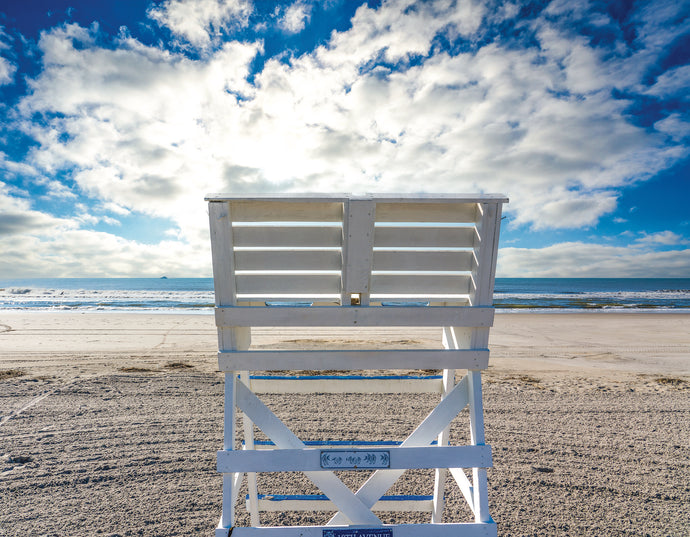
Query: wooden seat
point(354, 261)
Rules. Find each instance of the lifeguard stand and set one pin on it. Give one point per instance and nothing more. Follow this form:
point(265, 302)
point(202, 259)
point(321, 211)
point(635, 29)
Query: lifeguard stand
point(354, 261)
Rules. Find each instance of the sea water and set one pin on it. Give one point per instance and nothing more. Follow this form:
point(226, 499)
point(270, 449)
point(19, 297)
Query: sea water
point(195, 295)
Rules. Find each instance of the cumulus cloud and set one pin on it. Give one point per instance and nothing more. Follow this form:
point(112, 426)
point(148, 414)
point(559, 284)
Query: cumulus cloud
point(666, 238)
point(584, 260)
point(7, 71)
point(17, 217)
point(296, 17)
point(378, 107)
point(201, 22)
point(7, 68)
point(65, 253)
point(149, 128)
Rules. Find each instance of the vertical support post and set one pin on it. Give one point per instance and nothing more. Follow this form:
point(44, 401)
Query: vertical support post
point(358, 244)
point(441, 473)
point(252, 490)
point(229, 338)
point(483, 275)
point(479, 479)
point(227, 517)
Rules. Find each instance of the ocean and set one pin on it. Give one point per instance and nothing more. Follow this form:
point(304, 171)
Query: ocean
point(195, 295)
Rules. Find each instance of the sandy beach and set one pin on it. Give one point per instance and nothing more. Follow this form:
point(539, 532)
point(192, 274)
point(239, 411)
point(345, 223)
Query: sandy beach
point(109, 423)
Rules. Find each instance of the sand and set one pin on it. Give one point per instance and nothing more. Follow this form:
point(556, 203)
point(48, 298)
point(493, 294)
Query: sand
point(109, 423)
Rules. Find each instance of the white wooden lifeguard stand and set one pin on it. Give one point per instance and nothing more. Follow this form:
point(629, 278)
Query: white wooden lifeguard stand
point(355, 261)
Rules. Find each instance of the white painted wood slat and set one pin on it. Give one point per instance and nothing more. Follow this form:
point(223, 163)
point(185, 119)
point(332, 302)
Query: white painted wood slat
point(287, 236)
point(423, 260)
point(286, 211)
point(426, 212)
point(315, 197)
point(398, 530)
point(311, 504)
point(457, 316)
point(272, 284)
point(288, 259)
point(420, 284)
point(347, 385)
point(424, 237)
point(349, 360)
point(306, 460)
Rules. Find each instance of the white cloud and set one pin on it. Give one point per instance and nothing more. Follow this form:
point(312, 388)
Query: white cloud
point(18, 218)
point(673, 83)
point(84, 253)
point(7, 71)
point(7, 68)
point(143, 129)
point(578, 259)
point(675, 126)
point(200, 22)
point(150, 129)
point(666, 238)
point(114, 208)
point(296, 17)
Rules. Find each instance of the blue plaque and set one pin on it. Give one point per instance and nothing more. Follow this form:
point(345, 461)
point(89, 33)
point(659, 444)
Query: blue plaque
point(359, 532)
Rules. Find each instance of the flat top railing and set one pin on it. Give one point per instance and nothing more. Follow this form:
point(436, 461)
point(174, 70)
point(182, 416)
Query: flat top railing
point(390, 198)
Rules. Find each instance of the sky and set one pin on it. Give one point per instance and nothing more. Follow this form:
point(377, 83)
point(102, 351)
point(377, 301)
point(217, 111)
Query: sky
point(117, 118)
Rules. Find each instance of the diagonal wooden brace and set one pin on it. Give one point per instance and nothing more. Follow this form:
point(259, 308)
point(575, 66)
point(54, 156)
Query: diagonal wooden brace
point(346, 501)
point(381, 480)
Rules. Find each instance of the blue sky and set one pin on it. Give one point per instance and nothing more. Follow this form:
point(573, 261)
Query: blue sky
point(116, 118)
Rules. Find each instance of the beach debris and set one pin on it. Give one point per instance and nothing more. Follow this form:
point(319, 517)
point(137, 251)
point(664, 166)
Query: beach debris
point(11, 373)
point(671, 381)
point(134, 369)
point(178, 365)
point(543, 469)
point(19, 459)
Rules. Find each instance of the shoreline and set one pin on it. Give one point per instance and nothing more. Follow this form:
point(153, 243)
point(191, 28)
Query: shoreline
point(499, 311)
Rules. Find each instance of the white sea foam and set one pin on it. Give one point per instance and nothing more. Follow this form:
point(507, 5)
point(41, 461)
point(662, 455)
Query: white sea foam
point(196, 295)
point(100, 299)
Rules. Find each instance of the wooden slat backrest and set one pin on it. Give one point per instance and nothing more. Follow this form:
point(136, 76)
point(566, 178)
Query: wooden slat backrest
point(360, 250)
point(286, 249)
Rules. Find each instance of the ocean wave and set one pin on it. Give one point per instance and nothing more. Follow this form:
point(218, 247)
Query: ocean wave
point(17, 291)
point(655, 294)
point(197, 295)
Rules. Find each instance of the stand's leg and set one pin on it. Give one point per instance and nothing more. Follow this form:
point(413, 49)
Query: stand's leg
point(480, 486)
point(248, 425)
point(230, 481)
point(441, 473)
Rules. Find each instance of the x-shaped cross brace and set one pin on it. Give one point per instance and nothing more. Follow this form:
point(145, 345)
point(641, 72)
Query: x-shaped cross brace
point(354, 508)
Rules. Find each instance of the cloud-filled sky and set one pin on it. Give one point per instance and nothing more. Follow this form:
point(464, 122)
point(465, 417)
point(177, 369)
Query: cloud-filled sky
point(116, 118)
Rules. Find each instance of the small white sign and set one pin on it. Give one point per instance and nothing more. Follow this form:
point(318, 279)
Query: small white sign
point(348, 460)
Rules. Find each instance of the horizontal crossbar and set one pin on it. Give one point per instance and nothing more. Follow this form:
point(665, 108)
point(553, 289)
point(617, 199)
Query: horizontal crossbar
point(353, 359)
point(306, 460)
point(320, 502)
point(346, 384)
point(335, 443)
point(487, 529)
point(464, 316)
